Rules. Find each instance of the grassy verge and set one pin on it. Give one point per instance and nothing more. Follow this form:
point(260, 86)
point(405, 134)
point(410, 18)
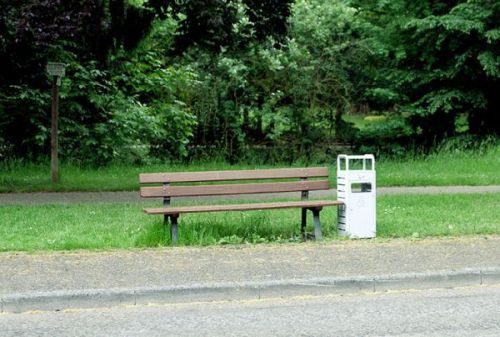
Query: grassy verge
point(441, 169)
point(106, 226)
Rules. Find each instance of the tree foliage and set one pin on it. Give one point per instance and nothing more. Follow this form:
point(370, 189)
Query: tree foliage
point(214, 24)
point(82, 34)
point(440, 62)
point(241, 79)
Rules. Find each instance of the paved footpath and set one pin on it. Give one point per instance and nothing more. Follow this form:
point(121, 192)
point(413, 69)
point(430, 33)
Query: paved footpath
point(52, 281)
point(133, 196)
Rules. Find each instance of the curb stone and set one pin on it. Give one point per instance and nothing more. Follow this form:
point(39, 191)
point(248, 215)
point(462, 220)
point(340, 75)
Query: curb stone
point(490, 276)
point(97, 298)
point(430, 280)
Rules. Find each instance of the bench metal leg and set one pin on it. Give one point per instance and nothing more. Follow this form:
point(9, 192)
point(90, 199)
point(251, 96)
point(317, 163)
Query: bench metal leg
point(165, 224)
point(303, 223)
point(174, 233)
point(317, 225)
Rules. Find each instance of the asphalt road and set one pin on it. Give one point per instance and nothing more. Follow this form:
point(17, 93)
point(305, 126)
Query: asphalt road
point(450, 312)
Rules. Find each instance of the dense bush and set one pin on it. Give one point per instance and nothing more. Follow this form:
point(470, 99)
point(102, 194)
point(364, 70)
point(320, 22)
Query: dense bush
point(438, 61)
point(246, 80)
point(390, 138)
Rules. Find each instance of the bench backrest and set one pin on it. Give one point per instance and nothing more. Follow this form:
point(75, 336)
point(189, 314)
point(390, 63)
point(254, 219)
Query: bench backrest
point(250, 183)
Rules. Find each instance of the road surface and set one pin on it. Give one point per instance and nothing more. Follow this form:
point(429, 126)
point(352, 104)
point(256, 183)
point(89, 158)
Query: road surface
point(473, 311)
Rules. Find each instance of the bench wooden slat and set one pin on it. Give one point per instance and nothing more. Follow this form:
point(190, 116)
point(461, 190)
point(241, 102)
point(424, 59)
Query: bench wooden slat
point(242, 207)
point(184, 191)
point(177, 177)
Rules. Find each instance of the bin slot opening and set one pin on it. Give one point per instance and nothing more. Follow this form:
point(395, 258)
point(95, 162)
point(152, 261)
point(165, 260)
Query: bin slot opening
point(360, 164)
point(342, 164)
point(356, 164)
point(368, 164)
point(361, 187)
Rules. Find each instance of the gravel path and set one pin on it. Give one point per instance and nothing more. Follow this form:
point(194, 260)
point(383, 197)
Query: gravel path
point(133, 196)
point(237, 264)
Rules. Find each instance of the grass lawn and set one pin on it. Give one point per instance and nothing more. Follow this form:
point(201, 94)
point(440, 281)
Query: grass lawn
point(105, 226)
point(362, 121)
point(442, 169)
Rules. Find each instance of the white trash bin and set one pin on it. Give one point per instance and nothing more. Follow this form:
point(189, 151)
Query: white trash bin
point(356, 188)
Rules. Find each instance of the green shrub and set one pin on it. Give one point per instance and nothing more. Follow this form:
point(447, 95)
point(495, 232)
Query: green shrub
point(391, 138)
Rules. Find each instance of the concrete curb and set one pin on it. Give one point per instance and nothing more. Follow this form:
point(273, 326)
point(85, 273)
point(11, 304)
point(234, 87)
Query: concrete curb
point(59, 300)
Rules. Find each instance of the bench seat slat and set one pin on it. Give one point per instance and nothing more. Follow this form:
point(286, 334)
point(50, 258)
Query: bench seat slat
point(242, 207)
point(229, 189)
point(178, 177)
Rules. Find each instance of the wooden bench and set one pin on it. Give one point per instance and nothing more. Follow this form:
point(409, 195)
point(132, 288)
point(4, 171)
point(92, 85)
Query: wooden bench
point(304, 180)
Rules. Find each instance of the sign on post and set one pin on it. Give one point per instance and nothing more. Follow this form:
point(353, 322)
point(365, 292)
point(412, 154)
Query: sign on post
point(57, 71)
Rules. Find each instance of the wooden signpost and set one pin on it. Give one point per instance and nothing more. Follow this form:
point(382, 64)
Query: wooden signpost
point(57, 71)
